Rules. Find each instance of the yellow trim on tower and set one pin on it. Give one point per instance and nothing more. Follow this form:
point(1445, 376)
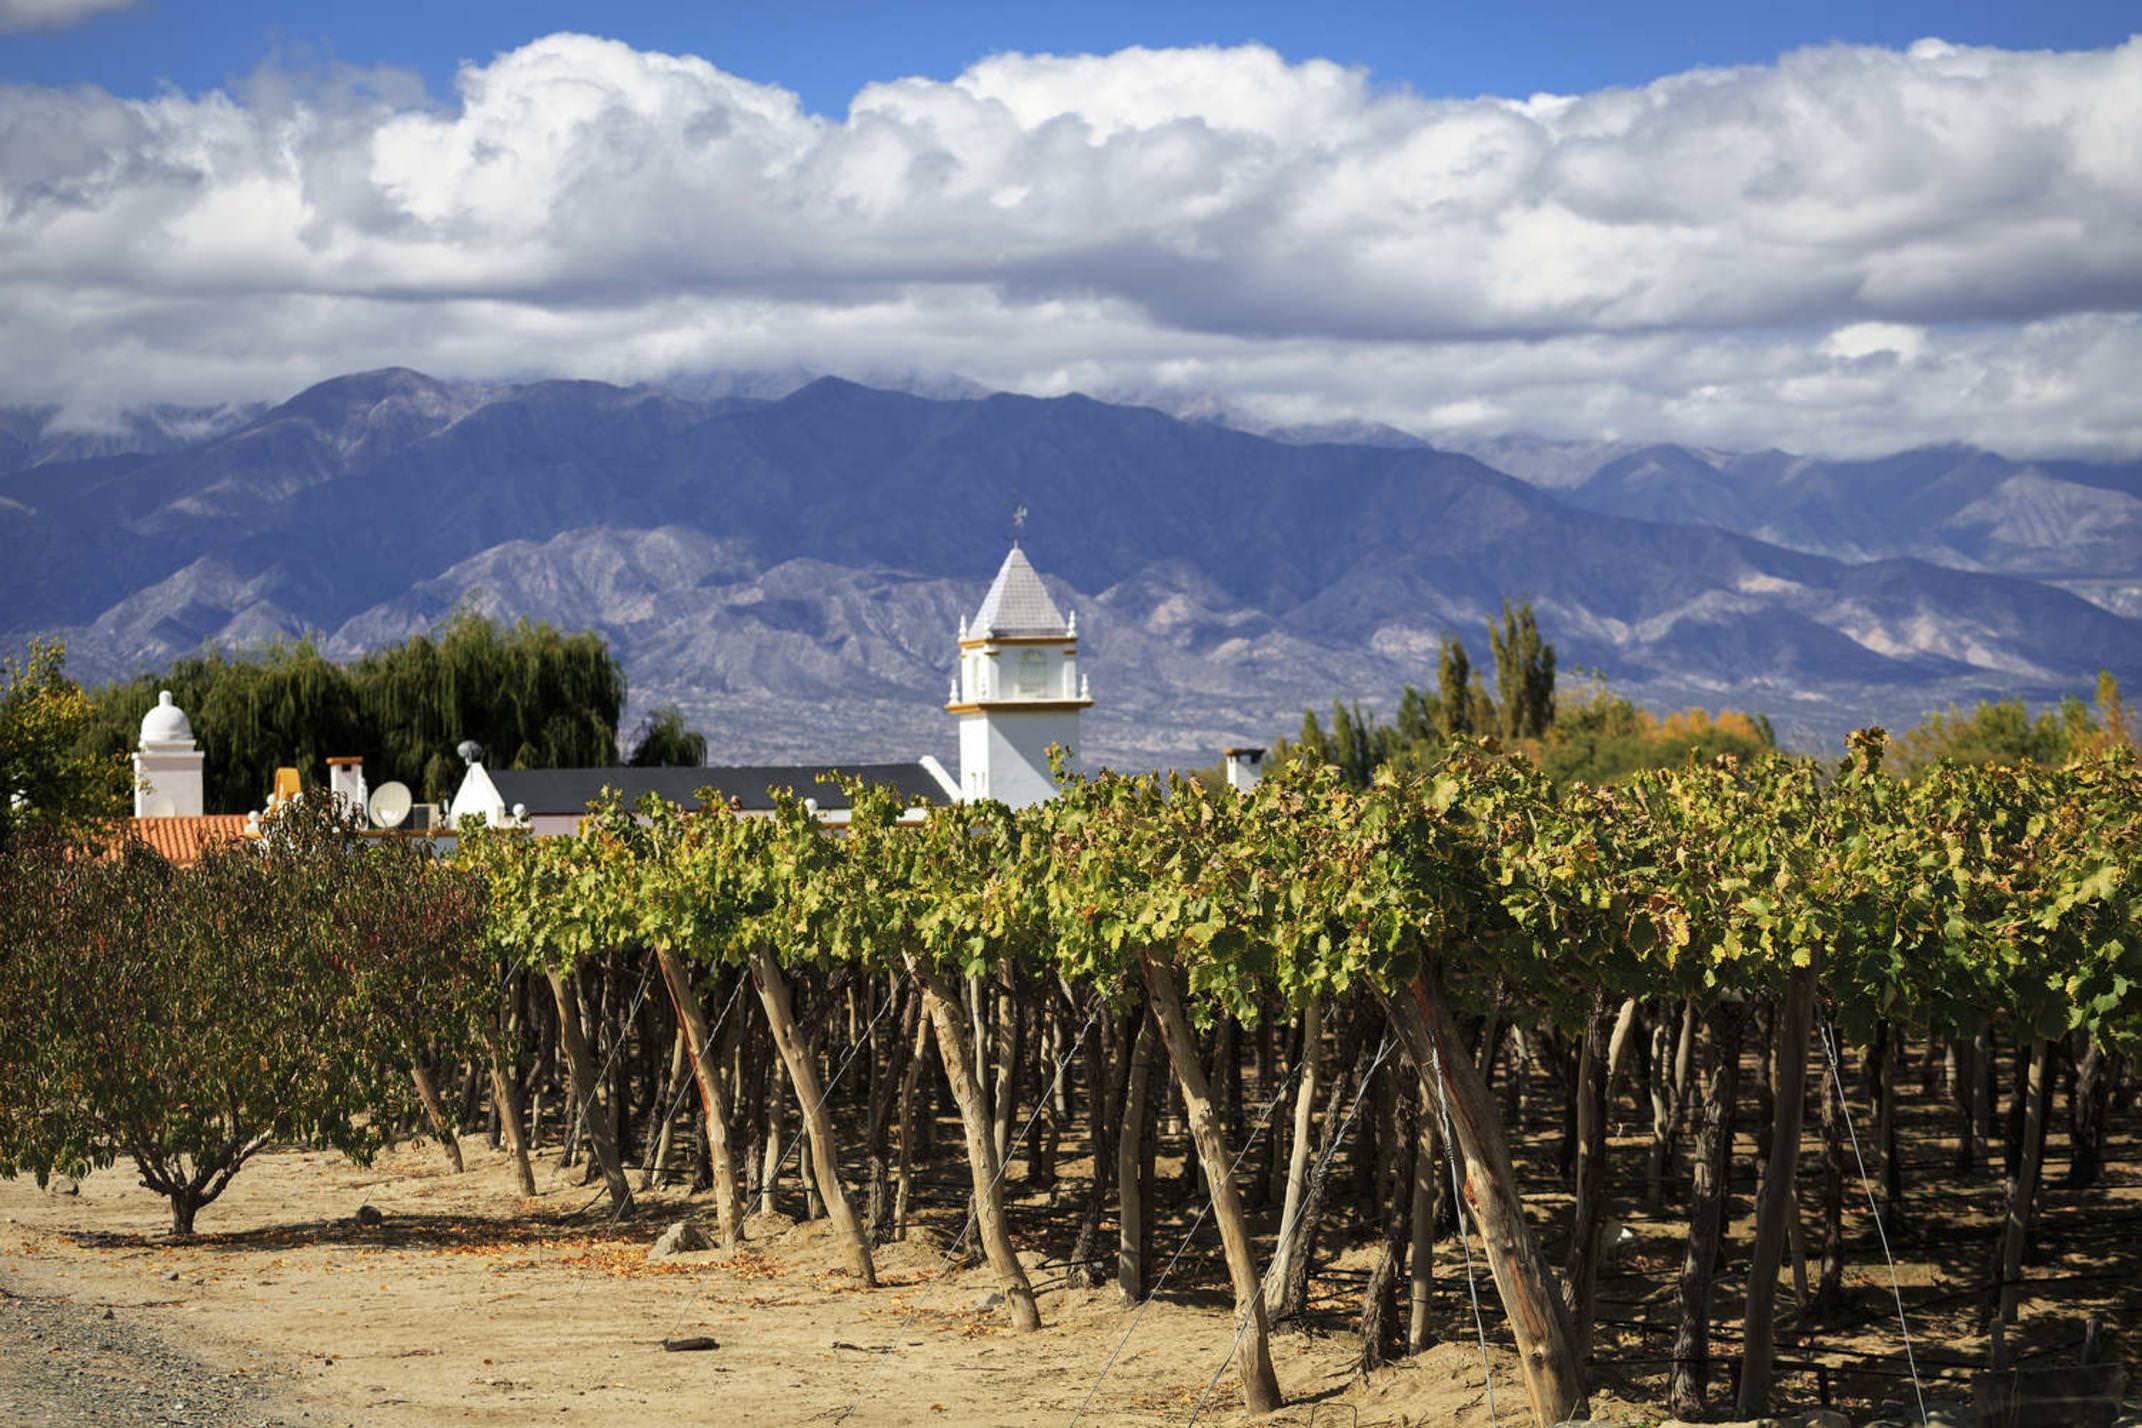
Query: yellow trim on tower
point(1012, 705)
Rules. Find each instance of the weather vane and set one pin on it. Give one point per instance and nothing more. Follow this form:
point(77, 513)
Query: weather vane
point(1018, 519)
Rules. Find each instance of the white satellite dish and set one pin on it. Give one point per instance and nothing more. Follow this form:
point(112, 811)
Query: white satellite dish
point(390, 804)
point(159, 806)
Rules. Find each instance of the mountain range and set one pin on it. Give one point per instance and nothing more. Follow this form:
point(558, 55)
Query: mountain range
point(788, 559)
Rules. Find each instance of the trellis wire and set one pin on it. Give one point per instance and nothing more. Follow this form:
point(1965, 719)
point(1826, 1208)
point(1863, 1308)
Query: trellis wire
point(781, 1162)
point(974, 1210)
point(1264, 1284)
point(583, 1283)
point(1457, 1200)
point(1829, 1050)
point(580, 1117)
point(713, 1035)
point(1263, 1120)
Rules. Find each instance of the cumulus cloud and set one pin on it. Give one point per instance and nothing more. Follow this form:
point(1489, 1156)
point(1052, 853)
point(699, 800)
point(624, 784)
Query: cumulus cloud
point(52, 14)
point(1848, 249)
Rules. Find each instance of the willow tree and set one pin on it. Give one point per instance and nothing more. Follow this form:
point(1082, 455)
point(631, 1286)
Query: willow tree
point(533, 696)
point(277, 705)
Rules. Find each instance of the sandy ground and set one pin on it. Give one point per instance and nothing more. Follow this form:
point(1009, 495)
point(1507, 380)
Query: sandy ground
point(469, 1305)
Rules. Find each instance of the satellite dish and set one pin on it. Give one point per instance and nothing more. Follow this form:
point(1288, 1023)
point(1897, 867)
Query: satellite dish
point(160, 806)
point(390, 804)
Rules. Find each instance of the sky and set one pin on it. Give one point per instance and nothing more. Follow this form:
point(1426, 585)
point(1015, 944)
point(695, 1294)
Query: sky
point(1831, 228)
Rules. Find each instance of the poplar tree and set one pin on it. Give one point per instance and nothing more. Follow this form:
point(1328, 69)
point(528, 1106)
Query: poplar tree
point(1524, 672)
point(1454, 694)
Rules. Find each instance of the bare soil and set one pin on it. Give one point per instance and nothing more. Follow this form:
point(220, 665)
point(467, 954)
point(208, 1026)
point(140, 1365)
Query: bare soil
point(470, 1305)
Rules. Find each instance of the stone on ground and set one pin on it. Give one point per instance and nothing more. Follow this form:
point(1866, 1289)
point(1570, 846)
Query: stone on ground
point(684, 1237)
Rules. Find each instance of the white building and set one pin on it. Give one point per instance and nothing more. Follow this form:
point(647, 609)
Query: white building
point(1017, 690)
point(167, 766)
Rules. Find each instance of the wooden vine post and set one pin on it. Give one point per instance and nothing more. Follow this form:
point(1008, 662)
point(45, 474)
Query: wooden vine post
point(1546, 1348)
point(1260, 1386)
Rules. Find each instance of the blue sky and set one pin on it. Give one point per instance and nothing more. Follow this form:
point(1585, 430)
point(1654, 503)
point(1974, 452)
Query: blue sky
point(826, 49)
point(1860, 227)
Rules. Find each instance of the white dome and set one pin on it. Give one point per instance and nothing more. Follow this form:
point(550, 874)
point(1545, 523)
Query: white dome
point(166, 723)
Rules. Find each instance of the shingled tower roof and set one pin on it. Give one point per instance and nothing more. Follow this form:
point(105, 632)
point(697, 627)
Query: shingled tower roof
point(1018, 605)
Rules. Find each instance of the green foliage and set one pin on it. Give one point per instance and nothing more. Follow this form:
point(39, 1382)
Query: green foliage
point(1524, 673)
point(532, 696)
point(184, 1018)
point(1967, 894)
point(1455, 694)
point(663, 740)
point(2005, 731)
point(1594, 737)
point(1599, 737)
point(50, 779)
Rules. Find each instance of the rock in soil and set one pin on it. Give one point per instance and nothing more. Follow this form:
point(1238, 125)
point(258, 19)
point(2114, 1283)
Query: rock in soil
point(693, 1345)
point(683, 1237)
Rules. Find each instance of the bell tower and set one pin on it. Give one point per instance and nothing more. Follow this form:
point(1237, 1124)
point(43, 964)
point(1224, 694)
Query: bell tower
point(1017, 689)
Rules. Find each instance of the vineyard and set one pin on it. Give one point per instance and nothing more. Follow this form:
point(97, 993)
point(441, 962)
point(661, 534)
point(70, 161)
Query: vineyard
point(1454, 1028)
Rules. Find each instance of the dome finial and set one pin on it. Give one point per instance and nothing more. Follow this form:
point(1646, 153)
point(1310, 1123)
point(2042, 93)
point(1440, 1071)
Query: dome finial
point(166, 723)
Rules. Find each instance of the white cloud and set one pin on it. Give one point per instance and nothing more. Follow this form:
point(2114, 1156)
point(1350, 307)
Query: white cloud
point(1895, 340)
point(52, 14)
point(1848, 249)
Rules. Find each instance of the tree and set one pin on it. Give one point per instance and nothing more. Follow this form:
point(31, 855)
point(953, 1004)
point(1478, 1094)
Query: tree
point(1454, 689)
point(1996, 732)
point(664, 741)
point(531, 695)
point(1524, 672)
point(2114, 731)
point(47, 777)
point(1313, 744)
point(185, 1018)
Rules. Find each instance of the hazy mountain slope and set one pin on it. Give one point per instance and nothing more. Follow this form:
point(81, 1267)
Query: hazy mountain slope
point(2075, 523)
point(42, 435)
point(792, 570)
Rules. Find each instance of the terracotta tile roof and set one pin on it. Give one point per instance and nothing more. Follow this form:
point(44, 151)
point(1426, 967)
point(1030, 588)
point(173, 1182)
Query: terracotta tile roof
point(182, 840)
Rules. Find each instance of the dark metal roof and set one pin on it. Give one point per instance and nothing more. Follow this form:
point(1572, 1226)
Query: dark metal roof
point(572, 790)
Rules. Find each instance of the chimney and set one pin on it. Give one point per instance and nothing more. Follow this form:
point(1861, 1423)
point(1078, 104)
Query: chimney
point(1244, 768)
point(345, 779)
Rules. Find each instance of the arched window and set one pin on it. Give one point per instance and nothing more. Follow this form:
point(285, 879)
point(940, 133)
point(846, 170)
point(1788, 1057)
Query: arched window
point(1033, 674)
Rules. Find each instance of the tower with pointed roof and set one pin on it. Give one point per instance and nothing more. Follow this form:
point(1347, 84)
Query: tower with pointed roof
point(1017, 689)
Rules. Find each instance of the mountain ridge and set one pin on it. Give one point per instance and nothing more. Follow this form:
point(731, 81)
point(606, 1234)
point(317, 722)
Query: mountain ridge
point(752, 556)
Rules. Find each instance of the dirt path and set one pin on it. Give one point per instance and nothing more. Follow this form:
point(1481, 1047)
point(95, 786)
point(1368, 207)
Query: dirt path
point(64, 1364)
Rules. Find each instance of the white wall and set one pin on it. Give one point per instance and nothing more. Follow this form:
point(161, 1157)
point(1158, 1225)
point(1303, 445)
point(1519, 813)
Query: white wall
point(169, 773)
point(1012, 746)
